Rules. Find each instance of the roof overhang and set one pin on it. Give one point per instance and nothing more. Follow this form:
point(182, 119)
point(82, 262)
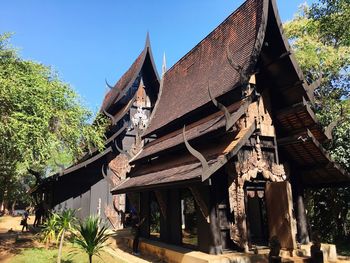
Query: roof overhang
point(314, 164)
point(185, 174)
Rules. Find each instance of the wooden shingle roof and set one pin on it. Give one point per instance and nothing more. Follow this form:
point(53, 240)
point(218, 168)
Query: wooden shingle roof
point(185, 84)
point(124, 82)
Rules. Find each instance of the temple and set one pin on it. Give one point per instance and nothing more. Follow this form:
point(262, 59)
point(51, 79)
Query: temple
point(86, 185)
point(216, 154)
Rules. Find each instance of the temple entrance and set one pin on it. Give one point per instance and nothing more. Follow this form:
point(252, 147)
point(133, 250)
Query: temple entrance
point(256, 212)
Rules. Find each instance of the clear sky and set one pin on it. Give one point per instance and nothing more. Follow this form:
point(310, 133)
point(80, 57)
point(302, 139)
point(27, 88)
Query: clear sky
point(86, 41)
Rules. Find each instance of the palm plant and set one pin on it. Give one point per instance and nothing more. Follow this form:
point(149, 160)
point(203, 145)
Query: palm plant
point(92, 237)
point(65, 222)
point(49, 232)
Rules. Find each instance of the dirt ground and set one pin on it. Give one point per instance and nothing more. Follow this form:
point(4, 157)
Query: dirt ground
point(12, 222)
point(12, 240)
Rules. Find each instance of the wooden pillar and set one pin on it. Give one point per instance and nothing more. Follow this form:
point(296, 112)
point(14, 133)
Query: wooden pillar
point(303, 235)
point(203, 230)
point(162, 198)
point(215, 231)
point(144, 212)
point(174, 217)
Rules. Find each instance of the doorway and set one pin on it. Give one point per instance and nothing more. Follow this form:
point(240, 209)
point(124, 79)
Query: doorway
point(256, 212)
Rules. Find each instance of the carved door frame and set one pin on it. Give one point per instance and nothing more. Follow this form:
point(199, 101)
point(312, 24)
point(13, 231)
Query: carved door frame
point(257, 186)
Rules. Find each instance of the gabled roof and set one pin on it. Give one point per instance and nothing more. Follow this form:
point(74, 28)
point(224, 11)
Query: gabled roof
point(126, 81)
point(185, 84)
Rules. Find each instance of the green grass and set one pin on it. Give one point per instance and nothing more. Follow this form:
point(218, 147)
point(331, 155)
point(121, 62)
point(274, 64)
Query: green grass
point(70, 255)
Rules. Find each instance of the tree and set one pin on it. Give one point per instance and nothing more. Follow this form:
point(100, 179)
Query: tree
point(42, 120)
point(92, 237)
point(320, 36)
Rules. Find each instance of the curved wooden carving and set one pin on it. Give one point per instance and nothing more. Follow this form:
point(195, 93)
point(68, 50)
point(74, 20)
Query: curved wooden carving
point(120, 166)
point(110, 116)
point(121, 150)
point(195, 153)
point(108, 179)
point(232, 119)
point(243, 76)
point(221, 107)
point(111, 87)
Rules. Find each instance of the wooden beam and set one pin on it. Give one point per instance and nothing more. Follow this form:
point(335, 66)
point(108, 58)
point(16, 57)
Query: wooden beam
point(87, 162)
point(200, 202)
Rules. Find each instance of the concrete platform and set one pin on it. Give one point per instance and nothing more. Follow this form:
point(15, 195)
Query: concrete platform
point(174, 254)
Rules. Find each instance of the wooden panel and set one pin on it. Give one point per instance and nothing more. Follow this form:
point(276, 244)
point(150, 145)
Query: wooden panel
point(279, 212)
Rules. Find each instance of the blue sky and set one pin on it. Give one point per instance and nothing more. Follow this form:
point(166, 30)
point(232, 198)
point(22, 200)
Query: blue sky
point(86, 41)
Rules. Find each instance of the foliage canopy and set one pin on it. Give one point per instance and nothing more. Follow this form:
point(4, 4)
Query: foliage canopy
point(320, 36)
point(42, 120)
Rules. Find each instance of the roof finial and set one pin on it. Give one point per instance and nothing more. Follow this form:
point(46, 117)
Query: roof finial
point(164, 65)
point(148, 42)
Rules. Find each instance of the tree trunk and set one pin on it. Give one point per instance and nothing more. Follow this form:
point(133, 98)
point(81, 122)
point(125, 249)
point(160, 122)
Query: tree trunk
point(4, 201)
point(60, 248)
point(13, 206)
point(90, 258)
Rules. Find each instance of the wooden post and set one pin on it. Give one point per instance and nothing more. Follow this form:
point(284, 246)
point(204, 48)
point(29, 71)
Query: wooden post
point(216, 246)
point(303, 235)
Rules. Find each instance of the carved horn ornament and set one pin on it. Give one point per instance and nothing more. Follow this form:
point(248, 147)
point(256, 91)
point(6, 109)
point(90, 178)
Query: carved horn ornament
point(121, 151)
point(195, 153)
point(243, 76)
point(223, 109)
point(109, 180)
point(109, 86)
point(328, 130)
point(229, 121)
point(110, 116)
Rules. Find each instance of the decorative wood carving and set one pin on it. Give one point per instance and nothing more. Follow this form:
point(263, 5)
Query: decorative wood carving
point(162, 202)
point(238, 230)
point(120, 167)
point(248, 170)
point(240, 139)
point(141, 95)
point(116, 219)
point(201, 203)
point(231, 119)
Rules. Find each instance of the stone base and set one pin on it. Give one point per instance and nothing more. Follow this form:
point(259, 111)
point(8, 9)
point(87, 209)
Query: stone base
point(172, 254)
point(329, 252)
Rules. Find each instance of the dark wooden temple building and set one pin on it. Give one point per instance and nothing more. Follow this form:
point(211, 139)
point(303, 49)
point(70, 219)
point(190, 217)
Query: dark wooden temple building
point(217, 154)
point(86, 185)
